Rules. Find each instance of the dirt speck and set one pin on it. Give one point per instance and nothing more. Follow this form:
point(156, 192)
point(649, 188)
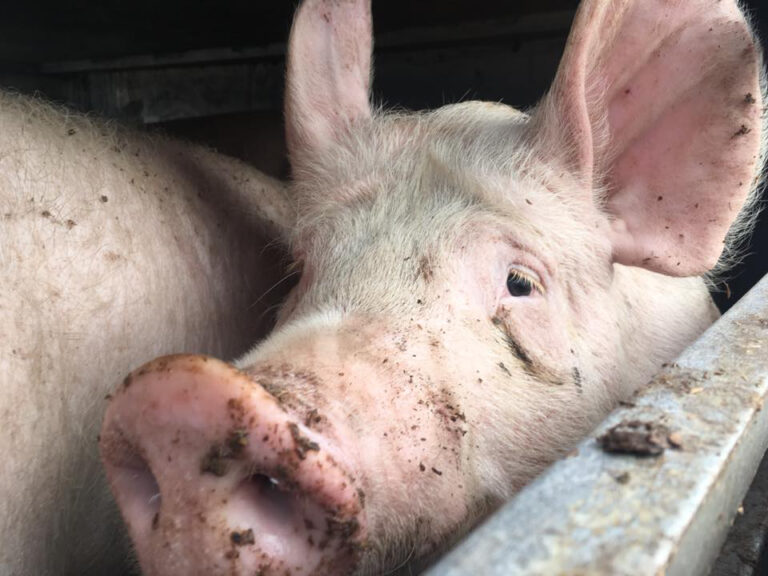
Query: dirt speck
point(635, 437)
point(235, 405)
point(622, 478)
point(343, 529)
point(237, 440)
point(216, 461)
point(425, 269)
point(104, 199)
point(749, 99)
point(742, 131)
point(576, 373)
point(675, 440)
point(313, 418)
point(302, 443)
point(243, 537)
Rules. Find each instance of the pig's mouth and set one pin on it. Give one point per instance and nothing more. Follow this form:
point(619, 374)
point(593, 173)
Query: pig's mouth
point(214, 477)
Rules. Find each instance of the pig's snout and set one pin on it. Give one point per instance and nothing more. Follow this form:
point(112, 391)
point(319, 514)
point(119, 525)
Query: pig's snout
point(213, 476)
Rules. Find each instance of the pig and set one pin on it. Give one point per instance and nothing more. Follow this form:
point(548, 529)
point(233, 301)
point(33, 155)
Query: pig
point(114, 247)
point(479, 287)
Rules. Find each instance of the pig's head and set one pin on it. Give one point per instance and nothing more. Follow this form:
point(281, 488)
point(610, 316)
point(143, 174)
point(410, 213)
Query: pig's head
point(478, 287)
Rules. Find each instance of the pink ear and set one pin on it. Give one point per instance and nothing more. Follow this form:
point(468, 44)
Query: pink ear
point(659, 102)
point(329, 68)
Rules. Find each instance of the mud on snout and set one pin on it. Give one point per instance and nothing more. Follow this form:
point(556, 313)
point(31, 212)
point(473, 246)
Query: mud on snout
point(213, 477)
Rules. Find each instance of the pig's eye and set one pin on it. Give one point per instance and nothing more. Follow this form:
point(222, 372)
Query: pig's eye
point(521, 284)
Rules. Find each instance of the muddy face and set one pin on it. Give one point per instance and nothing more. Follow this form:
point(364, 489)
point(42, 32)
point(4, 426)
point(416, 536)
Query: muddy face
point(477, 289)
point(447, 360)
point(409, 388)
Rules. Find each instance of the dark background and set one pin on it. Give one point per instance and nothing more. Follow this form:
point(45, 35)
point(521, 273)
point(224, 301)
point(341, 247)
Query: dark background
point(213, 71)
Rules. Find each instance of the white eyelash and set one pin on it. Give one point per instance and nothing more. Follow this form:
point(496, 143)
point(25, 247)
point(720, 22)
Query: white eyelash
point(529, 275)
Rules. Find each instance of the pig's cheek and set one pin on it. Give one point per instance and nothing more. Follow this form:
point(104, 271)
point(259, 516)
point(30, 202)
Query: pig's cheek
point(537, 336)
point(547, 336)
point(416, 465)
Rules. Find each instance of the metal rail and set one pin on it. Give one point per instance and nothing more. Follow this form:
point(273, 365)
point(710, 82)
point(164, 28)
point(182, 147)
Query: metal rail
point(602, 513)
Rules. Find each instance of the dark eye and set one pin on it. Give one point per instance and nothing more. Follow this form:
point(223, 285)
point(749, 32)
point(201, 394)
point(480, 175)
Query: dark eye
point(519, 284)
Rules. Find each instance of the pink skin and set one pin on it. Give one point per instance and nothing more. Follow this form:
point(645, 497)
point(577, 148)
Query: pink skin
point(228, 474)
point(468, 306)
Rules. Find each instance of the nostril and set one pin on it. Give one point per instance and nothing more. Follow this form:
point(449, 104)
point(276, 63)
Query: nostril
point(265, 484)
point(133, 481)
point(286, 522)
point(140, 493)
point(268, 503)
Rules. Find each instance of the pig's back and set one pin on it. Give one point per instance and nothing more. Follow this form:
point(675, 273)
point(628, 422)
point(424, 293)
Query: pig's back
point(114, 248)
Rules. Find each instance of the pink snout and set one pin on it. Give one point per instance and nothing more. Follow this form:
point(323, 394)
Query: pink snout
point(213, 476)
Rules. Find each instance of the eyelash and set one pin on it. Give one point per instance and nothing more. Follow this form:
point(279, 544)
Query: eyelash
point(521, 276)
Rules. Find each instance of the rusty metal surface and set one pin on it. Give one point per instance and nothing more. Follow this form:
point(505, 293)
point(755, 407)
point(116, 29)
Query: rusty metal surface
point(599, 513)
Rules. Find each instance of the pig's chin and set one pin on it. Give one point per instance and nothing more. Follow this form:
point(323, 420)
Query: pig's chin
point(213, 476)
point(405, 551)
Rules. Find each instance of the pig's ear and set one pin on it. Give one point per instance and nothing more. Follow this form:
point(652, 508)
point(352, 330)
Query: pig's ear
point(658, 103)
point(329, 70)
